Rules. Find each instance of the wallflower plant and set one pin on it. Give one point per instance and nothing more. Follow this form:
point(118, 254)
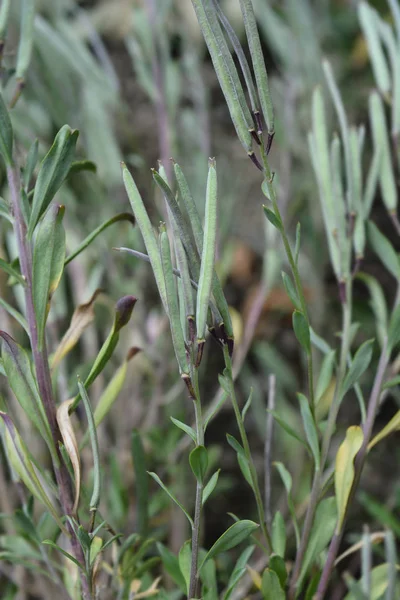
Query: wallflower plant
point(182, 255)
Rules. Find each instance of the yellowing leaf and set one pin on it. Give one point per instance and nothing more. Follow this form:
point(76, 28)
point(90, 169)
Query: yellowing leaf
point(255, 577)
point(71, 445)
point(82, 317)
point(393, 425)
point(344, 469)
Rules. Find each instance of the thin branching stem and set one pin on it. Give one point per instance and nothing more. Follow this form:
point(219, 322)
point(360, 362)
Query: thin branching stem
point(42, 364)
point(193, 582)
point(247, 451)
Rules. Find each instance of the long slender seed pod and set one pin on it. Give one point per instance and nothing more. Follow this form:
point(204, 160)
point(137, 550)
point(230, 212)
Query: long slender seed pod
point(95, 499)
point(319, 150)
point(225, 70)
point(198, 234)
point(190, 206)
point(146, 230)
point(339, 206)
point(208, 254)
point(257, 58)
point(25, 45)
point(344, 130)
point(359, 228)
point(172, 302)
point(186, 302)
point(381, 142)
point(4, 15)
point(244, 65)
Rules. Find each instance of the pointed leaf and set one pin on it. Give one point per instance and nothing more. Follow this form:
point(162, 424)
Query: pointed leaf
point(186, 428)
point(232, 537)
point(48, 264)
point(359, 365)
point(302, 330)
point(53, 170)
point(210, 487)
point(344, 469)
point(270, 586)
point(198, 459)
point(310, 428)
point(166, 490)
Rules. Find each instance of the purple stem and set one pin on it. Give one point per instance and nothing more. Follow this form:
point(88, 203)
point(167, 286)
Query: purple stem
point(42, 364)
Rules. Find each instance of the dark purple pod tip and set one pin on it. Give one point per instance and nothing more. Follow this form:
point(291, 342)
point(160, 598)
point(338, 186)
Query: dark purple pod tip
point(123, 311)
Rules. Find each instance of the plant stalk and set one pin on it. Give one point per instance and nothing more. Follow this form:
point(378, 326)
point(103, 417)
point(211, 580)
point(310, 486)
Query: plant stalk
point(193, 582)
point(42, 365)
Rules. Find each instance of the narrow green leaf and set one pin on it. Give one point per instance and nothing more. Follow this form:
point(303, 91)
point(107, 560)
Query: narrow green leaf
point(66, 554)
point(287, 482)
point(390, 427)
point(238, 571)
point(198, 459)
point(171, 565)
point(378, 304)
point(48, 265)
point(232, 537)
point(384, 249)
point(358, 366)
point(325, 375)
point(95, 499)
point(185, 559)
point(4, 16)
point(6, 133)
point(291, 290)
point(22, 381)
point(270, 587)
point(310, 428)
point(186, 428)
point(12, 272)
point(141, 483)
point(277, 564)
point(278, 533)
point(92, 236)
point(166, 490)
point(208, 254)
point(53, 170)
point(301, 330)
point(210, 487)
point(289, 430)
point(272, 218)
point(344, 470)
point(394, 328)
point(321, 534)
point(20, 460)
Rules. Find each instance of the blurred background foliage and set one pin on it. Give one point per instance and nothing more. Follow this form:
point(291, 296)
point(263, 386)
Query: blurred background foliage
point(134, 77)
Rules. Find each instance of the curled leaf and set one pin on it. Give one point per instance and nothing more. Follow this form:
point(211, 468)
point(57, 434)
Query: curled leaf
point(71, 445)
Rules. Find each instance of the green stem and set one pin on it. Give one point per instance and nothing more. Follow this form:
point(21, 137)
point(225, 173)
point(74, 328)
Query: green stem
point(193, 582)
point(246, 447)
point(295, 271)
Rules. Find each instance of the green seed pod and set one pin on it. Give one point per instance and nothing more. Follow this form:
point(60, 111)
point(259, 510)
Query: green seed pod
point(172, 304)
point(146, 230)
point(26, 38)
point(381, 143)
point(319, 150)
point(225, 70)
point(208, 254)
point(369, 20)
point(198, 233)
point(359, 228)
point(257, 58)
point(4, 15)
point(244, 65)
